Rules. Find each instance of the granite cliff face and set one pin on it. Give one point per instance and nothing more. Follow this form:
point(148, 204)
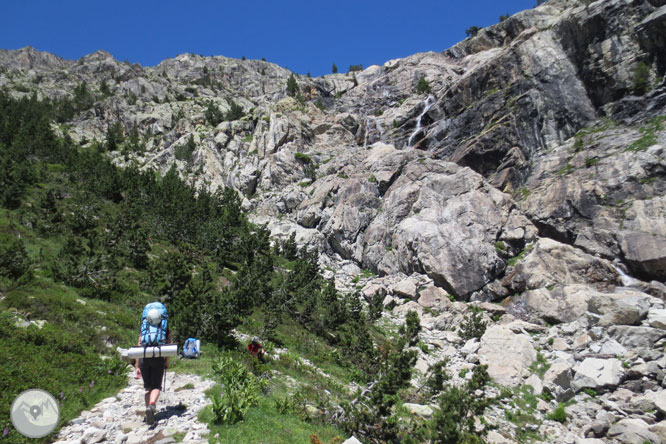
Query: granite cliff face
point(525, 165)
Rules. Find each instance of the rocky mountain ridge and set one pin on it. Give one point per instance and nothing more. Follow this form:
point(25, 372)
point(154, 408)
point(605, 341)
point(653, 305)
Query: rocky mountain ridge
point(524, 165)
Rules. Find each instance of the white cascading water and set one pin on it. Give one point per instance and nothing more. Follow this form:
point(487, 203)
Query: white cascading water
point(429, 102)
point(627, 280)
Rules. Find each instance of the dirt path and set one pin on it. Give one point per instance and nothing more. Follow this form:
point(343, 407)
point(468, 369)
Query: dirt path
point(119, 419)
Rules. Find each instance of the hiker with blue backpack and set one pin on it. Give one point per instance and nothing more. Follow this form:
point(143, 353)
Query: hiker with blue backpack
point(154, 333)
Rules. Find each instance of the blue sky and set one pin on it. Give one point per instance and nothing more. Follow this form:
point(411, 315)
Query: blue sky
point(304, 36)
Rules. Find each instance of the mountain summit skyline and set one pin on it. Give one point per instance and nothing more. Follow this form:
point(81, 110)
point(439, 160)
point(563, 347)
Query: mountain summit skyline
point(296, 34)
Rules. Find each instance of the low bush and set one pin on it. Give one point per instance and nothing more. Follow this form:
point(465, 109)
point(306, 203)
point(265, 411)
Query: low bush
point(423, 87)
point(473, 325)
point(559, 414)
point(241, 390)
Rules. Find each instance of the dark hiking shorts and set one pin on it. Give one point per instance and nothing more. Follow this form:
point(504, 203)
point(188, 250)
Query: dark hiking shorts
point(152, 371)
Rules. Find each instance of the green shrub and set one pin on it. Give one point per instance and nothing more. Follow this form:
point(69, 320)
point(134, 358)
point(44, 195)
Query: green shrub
point(334, 68)
point(14, 260)
point(472, 31)
point(423, 87)
point(241, 390)
point(235, 111)
point(500, 247)
point(454, 421)
point(566, 169)
point(590, 392)
point(132, 99)
point(540, 366)
point(213, 114)
point(437, 376)
point(292, 86)
point(559, 414)
point(104, 88)
point(412, 328)
point(641, 78)
point(284, 405)
point(473, 325)
point(303, 157)
point(82, 97)
point(114, 136)
point(514, 260)
point(184, 152)
point(649, 136)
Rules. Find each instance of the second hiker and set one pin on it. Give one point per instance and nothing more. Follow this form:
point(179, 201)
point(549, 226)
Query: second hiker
point(256, 349)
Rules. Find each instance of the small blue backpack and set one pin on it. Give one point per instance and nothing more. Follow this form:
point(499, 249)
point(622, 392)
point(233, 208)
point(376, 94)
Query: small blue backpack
point(191, 348)
point(154, 334)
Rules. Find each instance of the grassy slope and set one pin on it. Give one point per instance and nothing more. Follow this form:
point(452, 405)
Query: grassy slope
point(68, 355)
point(290, 379)
point(64, 355)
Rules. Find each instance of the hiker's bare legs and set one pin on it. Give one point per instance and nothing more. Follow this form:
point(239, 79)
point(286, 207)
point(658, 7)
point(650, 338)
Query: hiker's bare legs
point(151, 396)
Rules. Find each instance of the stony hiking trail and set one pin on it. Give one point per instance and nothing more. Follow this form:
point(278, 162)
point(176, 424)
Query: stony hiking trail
point(119, 419)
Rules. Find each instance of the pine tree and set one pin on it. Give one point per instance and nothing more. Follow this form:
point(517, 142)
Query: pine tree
point(235, 111)
point(114, 136)
point(472, 31)
point(292, 86)
point(213, 114)
point(423, 87)
point(14, 260)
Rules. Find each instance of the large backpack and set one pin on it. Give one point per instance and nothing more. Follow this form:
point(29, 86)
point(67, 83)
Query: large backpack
point(154, 335)
point(191, 348)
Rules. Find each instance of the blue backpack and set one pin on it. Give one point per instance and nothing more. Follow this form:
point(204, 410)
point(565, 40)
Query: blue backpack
point(191, 348)
point(154, 335)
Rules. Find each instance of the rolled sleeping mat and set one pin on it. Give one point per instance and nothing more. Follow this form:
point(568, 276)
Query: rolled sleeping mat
point(151, 352)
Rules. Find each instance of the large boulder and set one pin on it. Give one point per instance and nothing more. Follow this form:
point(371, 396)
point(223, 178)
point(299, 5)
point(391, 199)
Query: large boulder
point(657, 318)
point(508, 355)
point(550, 263)
point(433, 297)
point(440, 220)
point(645, 253)
point(614, 310)
point(597, 374)
point(633, 431)
point(553, 304)
point(557, 379)
point(636, 337)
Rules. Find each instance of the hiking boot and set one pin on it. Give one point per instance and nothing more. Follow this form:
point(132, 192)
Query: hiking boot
point(150, 414)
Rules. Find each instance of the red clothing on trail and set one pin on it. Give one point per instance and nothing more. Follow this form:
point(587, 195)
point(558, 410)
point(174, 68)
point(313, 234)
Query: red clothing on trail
point(255, 348)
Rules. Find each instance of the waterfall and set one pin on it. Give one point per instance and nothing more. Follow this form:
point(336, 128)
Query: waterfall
point(429, 102)
point(627, 280)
